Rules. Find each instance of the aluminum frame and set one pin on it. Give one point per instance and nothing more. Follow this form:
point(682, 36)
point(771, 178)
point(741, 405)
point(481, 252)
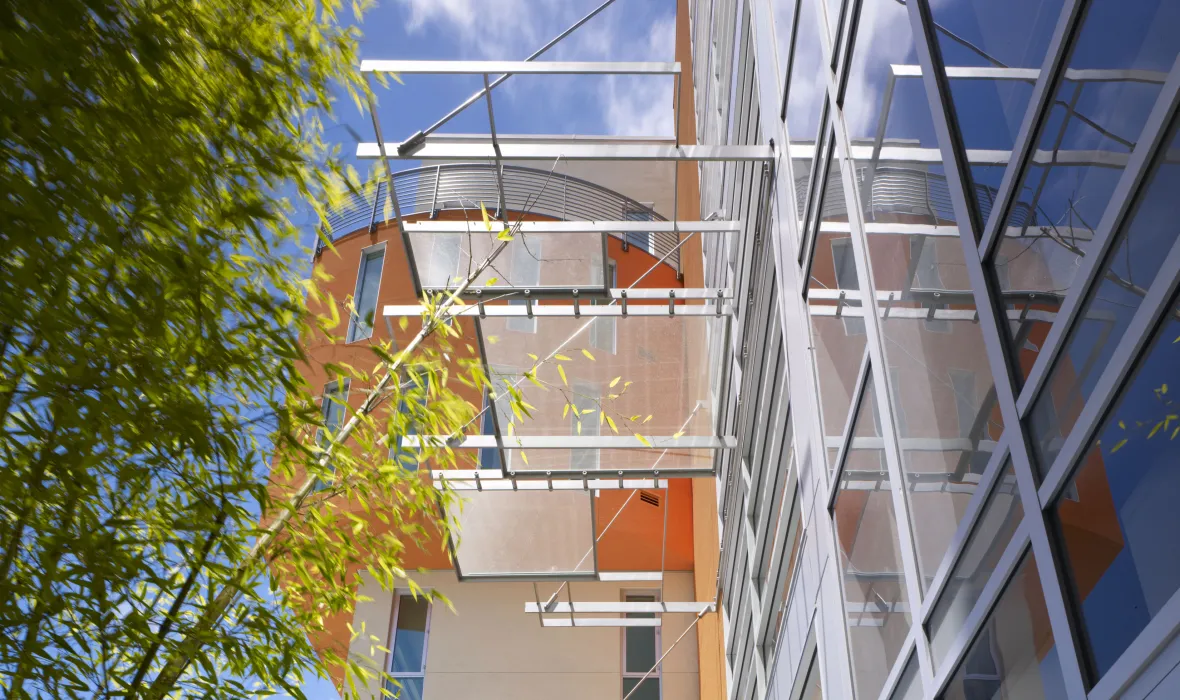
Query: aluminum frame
point(794, 232)
point(408, 67)
point(439, 148)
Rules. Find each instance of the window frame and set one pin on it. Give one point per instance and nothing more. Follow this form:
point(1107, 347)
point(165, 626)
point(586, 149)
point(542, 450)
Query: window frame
point(398, 594)
point(345, 388)
point(612, 276)
point(647, 595)
point(354, 320)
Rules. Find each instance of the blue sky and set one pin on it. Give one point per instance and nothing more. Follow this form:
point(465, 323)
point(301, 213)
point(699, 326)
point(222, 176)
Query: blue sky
point(628, 30)
point(634, 30)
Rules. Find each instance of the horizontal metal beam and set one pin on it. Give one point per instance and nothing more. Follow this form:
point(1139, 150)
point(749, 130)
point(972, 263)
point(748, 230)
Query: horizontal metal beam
point(1066, 232)
point(576, 226)
point(921, 155)
point(619, 608)
point(601, 622)
point(574, 442)
point(569, 293)
point(630, 576)
point(932, 444)
point(483, 150)
point(516, 484)
point(520, 67)
point(1085, 75)
point(927, 313)
point(563, 310)
point(643, 475)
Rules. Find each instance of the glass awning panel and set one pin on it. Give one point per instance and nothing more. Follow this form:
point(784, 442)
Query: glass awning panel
point(533, 261)
point(525, 533)
point(605, 376)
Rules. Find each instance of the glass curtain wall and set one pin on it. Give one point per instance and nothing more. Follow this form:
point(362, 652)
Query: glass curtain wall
point(977, 267)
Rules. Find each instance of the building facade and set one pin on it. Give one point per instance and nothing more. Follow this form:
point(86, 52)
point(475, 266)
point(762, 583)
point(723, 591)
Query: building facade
point(955, 327)
point(909, 338)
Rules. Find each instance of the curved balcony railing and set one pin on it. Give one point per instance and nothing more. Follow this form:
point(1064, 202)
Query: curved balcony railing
point(465, 185)
point(907, 191)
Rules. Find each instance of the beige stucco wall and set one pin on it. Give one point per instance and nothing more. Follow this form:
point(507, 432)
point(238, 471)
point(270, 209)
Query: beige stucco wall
point(488, 648)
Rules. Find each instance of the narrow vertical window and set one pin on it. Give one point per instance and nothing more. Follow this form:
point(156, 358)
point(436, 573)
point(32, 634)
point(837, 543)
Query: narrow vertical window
point(640, 239)
point(333, 407)
point(641, 650)
point(365, 298)
point(411, 629)
point(489, 457)
point(398, 452)
point(603, 331)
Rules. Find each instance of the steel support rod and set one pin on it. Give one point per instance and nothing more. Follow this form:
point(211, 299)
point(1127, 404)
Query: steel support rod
point(503, 208)
point(397, 211)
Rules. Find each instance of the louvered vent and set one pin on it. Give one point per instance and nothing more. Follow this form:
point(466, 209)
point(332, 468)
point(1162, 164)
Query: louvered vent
point(649, 498)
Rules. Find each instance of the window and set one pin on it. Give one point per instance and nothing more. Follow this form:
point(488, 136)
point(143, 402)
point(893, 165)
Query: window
point(1136, 259)
point(876, 605)
point(845, 268)
point(603, 330)
point(1119, 528)
point(404, 456)
point(526, 273)
point(909, 686)
point(788, 564)
point(334, 406)
point(993, 530)
point(489, 457)
point(927, 278)
point(411, 630)
point(365, 298)
point(812, 690)
point(1014, 655)
point(585, 397)
point(641, 649)
point(640, 239)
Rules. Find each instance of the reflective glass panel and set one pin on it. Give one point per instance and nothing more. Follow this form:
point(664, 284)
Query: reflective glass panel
point(533, 260)
point(837, 316)
point(409, 639)
point(1014, 655)
point(992, 34)
point(365, 297)
point(812, 690)
point(649, 690)
point(883, 110)
point(909, 686)
point(1118, 516)
point(1139, 250)
point(784, 29)
point(876, 607)
point(639, 642)
point(406, 687)
point(993, 530)
point(807, 88)
point(524, 532)
point(1082, 149)
point(941, 385)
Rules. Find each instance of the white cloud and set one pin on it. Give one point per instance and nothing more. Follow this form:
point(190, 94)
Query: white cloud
point(498, 29)
point(513, 29)
point(643, 106)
